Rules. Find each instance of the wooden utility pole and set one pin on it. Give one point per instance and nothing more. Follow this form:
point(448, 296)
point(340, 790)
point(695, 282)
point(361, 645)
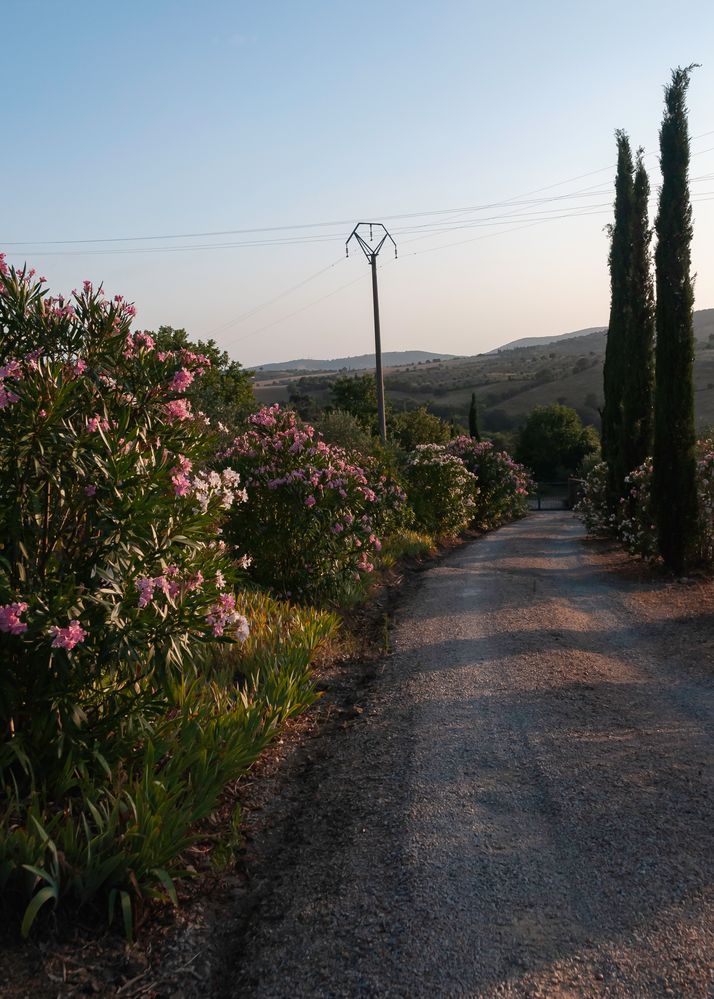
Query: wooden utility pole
point(371, 250)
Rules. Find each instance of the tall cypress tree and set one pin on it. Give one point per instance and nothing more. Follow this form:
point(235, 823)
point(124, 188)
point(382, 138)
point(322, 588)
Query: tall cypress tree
point(615, 352)
point(674, 488)
point(473, 419)
point(637, 415)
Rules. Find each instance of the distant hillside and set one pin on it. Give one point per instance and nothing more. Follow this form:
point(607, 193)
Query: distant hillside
point(508, 383)
point(390, 358)
point(541, 341)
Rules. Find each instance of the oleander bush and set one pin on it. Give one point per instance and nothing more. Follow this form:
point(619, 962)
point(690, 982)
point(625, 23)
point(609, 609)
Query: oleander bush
point(440, 489)
point(132, 686)
point(592, 507)
point(312, 513)
point(503, 484)
point(111, 577)
point(633, 521)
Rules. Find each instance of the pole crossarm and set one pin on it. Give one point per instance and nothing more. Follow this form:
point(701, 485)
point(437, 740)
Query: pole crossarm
point(368, 248)
point(371, 249)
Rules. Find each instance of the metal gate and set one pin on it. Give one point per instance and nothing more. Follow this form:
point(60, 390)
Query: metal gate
point(555, 495)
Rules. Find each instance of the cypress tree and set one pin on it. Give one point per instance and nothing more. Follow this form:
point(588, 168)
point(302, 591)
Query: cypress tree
point(637, 415)
point(620, 261)
point(674, 489)
point(473, 419)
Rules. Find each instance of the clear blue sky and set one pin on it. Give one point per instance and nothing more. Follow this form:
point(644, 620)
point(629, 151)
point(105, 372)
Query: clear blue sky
point(161, 117)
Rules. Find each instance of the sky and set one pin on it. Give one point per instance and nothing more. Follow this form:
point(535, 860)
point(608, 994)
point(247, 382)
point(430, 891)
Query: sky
point(247, 139)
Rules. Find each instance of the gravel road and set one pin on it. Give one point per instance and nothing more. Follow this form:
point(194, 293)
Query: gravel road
point(520, 806)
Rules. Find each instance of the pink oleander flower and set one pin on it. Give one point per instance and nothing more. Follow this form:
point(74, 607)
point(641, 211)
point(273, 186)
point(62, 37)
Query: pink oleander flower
point(143, 339)
point(179, 409)
point(67, 638)
point(7, 397)
point(223, 615)
point(310, 501)
point(97, 422)
point(179, 478)
point(145, 585)
point(79, 366)
point(10, 621)
point(181, 380)
point(90, 490)
point(11, 370)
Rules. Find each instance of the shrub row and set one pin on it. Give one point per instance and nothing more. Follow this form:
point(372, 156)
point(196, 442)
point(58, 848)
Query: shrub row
point(148, 652)
point(633, 522)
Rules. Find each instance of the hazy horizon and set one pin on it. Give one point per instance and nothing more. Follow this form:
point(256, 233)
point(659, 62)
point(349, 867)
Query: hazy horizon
point(217, 157)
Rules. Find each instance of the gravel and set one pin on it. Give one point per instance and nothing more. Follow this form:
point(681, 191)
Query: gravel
point(521, 803)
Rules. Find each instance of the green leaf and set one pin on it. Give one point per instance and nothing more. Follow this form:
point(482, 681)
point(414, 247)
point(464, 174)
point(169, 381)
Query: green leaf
point(38, 900)
point(127, 915)
point(168, 884)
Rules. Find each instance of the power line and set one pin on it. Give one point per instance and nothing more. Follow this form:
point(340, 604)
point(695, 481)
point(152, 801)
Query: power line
point(264, 305)
point(302, 308)
point(323, 225)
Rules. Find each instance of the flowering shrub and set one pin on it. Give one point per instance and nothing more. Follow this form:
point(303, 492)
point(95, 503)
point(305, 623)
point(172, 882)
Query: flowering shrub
point(441, 490)
point(635, 519)
point(705, 492)
point(312, 513)
point(503, 484)
point(592, 507)
point(107, 578)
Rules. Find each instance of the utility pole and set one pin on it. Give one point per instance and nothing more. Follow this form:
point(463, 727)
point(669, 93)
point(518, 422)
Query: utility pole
point(371, 249)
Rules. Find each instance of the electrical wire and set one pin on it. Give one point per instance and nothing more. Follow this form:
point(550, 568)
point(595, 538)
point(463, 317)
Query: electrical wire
point(271, 301)
point(322, 225)
point(303, 308)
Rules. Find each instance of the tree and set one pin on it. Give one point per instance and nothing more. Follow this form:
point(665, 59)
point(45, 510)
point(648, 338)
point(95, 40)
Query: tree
point(225, 391)
point(620, 260)
point(553, 442)
point(357, 395)
point(473, 419)
point(674, 490)
point(419, 426)
point(637, 414)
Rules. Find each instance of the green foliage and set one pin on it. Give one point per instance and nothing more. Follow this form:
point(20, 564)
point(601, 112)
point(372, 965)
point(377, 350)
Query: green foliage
point(106, 530)
point(440, 489)
point(312, 513)
point(616, 359)
point(406, 543)
point(503, 484)
point(674, 483)
point(358, 396)
point(593, 507)
point(473, 419)
point(340, 427)
point(554, 442)
point(225, 392)
point(637, 411)
point(126, 700)
point(119, 836)
point(418, 426)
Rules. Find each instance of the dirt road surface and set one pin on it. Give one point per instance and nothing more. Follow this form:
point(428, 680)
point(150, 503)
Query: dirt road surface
point(521, 806)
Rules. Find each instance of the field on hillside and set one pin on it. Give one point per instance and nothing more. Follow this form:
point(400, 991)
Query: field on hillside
point(508, 383)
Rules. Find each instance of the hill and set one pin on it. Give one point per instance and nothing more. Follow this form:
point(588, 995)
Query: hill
point(541, 341)
point(361, 362)
point(508, 383)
